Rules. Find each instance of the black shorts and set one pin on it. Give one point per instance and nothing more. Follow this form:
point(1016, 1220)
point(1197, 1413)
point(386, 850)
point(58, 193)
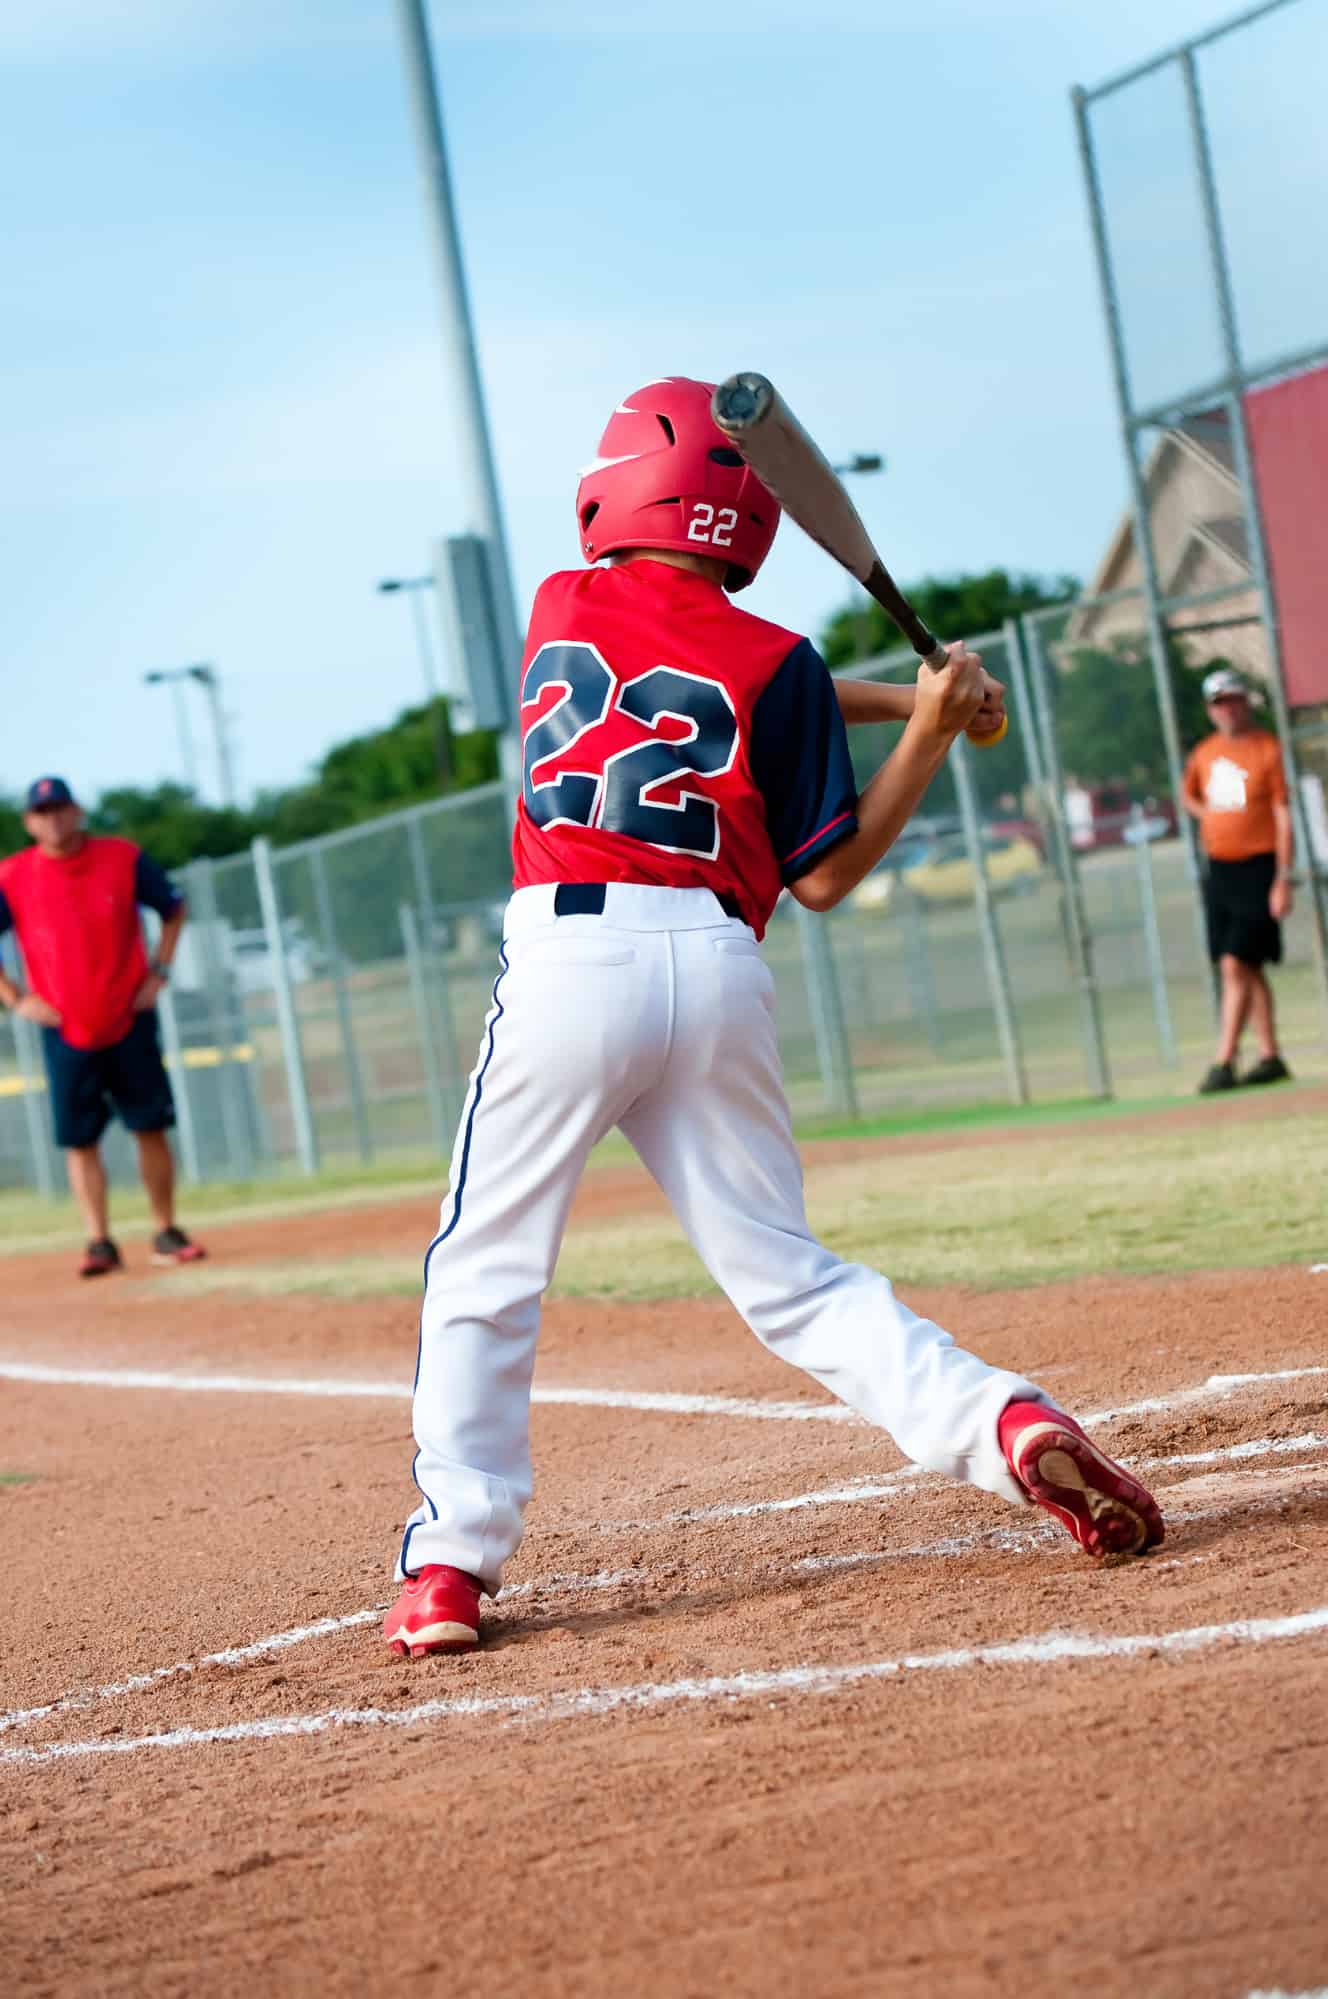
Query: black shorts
point(1239, 925)
point(88, 1084)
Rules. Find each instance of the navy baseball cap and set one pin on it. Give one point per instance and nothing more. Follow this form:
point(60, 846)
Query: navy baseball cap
point(45, 793)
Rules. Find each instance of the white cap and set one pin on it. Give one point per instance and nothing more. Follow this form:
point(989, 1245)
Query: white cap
point(1224, 680)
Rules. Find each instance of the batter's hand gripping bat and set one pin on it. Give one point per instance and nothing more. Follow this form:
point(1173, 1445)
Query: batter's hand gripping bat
point(752, 413)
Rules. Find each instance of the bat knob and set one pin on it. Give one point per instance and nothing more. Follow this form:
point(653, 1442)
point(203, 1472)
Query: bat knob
point(741, 402)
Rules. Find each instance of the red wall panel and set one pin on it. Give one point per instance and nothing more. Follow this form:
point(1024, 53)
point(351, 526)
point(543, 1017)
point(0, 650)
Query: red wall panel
point(1289, 435)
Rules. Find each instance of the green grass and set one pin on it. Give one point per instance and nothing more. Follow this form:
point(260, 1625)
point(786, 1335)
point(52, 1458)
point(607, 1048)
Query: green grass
point(18, 1477)
point(1083, 1198)
point(28, 1222)
point(975, 1117)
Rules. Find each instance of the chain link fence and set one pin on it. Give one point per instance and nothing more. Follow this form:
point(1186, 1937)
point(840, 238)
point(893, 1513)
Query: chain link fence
point(1028, 938)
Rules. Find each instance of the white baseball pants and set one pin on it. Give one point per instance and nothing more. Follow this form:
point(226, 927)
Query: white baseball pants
point(655, 1017)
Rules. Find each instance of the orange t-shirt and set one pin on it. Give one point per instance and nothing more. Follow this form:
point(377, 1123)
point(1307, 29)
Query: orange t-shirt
point(1237, 780)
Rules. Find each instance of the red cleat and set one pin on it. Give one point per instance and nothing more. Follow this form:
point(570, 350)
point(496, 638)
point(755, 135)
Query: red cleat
point(438, 1611)
point(1107, 1511)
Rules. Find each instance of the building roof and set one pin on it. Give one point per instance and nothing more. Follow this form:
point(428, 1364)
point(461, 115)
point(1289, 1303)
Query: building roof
point(1209, 431)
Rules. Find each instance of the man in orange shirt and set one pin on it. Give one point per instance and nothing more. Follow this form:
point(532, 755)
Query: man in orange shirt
point(1236, 788)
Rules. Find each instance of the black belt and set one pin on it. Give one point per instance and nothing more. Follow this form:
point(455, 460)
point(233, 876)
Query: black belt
point(587, 899)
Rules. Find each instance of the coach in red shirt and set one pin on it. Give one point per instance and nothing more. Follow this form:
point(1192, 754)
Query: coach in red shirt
point(73, 898)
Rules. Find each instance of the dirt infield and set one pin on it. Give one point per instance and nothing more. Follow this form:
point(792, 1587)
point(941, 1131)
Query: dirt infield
point(763, 1710)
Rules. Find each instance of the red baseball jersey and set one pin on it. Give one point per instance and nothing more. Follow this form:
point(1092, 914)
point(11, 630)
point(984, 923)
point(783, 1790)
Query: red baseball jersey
point(672, 739)
point(78, 926)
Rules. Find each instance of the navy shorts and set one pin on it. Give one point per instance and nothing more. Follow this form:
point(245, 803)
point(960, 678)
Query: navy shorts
point(88, 1084)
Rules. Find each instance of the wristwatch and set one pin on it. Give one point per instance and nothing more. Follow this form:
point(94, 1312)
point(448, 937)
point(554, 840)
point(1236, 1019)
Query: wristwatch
point(160, 971)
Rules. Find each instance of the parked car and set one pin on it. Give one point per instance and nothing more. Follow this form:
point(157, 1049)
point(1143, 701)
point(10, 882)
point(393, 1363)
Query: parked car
point(935, 867)
point(251, 962)
point(946, 875)
point(1023, 829)
point(913, 846)
point(1098, 815)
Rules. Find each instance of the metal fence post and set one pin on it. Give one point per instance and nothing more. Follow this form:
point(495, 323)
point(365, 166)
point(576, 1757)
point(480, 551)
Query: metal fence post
point(1026, 717)
point(826, 1004)
point(419, 989)
point(1078, 934)
point(1158, 632)
point(435, 974)
point(31, 1069)
point(998, 978)
point(184, 1102)
point(1157, 971)
point(201, 890)
point(917, 967)
point(341, 992)
point(306, 1139)
point(1249, 493)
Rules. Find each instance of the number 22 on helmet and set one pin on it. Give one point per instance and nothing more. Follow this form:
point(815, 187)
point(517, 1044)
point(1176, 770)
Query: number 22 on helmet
point(665, 476)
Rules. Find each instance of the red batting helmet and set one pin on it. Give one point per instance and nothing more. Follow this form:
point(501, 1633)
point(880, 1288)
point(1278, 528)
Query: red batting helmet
point(667, 477)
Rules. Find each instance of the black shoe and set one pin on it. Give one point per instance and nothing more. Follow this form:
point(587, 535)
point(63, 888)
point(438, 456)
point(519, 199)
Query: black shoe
point(174, 1246)
point(1272, 1069)
point(1220, 1077)
point(99, 1258)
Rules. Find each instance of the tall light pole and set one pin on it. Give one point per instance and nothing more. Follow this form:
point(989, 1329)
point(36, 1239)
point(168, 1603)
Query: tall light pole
point(412, 587)
point(174, 677)
point(473, 451)
point(208, 678)
point(861, 461)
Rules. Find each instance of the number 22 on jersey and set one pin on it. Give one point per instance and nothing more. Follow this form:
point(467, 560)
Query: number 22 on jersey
point(617, 792)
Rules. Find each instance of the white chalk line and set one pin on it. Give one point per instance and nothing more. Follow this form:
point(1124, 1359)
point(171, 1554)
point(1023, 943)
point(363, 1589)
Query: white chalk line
point(1277, 1992)
point(233, 1655)
point(1044, 1649)
point(276, 1641)
point(892, 1485)
point(640, 1400)
point(1258, 1447)
point(588, 1398)
point(999, 1540)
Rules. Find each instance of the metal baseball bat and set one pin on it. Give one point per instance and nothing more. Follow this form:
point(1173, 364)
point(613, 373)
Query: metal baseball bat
point(750, 410)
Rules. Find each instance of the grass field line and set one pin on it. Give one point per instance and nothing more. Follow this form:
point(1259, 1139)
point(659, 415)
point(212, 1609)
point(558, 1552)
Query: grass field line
point(1046, 1648)
point(641, 1400)
point(999, 1540)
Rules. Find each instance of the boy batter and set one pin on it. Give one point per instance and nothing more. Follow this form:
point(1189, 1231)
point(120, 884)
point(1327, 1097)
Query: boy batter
point(683, 762)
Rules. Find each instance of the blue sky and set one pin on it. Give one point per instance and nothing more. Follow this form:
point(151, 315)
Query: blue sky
point(220, 379)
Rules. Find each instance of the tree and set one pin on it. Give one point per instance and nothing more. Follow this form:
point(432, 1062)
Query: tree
point(367, 775)
point(171, 823)
point(1107, 721)
point(954, 607)
point(12, 835)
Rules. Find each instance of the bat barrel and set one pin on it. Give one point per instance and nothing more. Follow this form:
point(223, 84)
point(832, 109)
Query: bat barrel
point(741, 402)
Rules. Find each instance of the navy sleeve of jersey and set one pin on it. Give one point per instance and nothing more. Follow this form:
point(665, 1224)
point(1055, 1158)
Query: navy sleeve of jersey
point(6, 914)
point(800, 760)
point(154, 888)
